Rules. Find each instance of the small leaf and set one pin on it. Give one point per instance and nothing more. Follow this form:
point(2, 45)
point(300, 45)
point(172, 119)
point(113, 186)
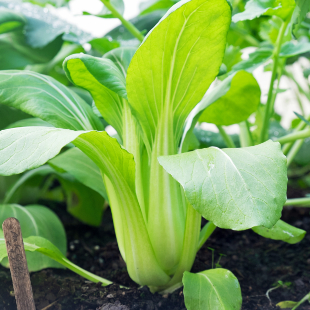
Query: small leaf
point(212, 289)
point(287, 304)
point(302, 118)
point(36, 220)
point(290, 49)
point(149, 6)
point(256, 8)
point(281, 231)
point(234, 188)
point(241, 100)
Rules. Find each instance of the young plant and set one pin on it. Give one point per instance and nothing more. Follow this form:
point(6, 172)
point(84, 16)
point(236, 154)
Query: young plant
point(157, 190)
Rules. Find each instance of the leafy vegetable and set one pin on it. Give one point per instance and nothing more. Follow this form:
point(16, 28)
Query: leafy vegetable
point(212, 289)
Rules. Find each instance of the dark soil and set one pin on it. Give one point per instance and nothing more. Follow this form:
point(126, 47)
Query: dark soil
point(257, 262)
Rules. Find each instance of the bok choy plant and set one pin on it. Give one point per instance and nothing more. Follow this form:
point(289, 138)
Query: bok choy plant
point(157, 190)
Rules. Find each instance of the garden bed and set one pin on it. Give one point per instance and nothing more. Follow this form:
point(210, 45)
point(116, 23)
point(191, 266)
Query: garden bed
point(258, 263)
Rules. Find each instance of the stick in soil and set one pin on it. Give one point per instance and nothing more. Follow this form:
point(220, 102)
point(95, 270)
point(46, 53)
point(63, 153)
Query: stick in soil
point(18, 264)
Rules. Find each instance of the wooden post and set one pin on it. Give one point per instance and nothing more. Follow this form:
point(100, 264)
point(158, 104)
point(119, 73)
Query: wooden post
point(18, 264)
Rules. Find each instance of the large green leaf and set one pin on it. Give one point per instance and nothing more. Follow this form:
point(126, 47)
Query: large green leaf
point(10, 115)
point(44, 97)
point(33, 121)
point(281, 231)
point(36, 220)
point(237, 104)
point(214, 289)
point(26, 148)
point(234, 188)
point(98, 79)
point(76, 163)
point(256, 8)
point(176, 63)
point(44, 246)
point(10, 20)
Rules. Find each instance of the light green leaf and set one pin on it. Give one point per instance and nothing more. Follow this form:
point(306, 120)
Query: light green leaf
point(281, 231)
point(76, 163)
point(290, 49)
point(44, 97)
point(287, 304)
point(235, 106)
point(26, 148)
point(167, 82)
point(234, 188)
point(82, 202)
point(256, 8)
point(212, 289)
point(106, 13)
point(36, 220)
point(43, 27)
point(10, 20)
point(44, 246)
point(121, 57)
point(103, 71)
point(33, 121)
point(149, 6)
point(103, 80)
point(257, 58)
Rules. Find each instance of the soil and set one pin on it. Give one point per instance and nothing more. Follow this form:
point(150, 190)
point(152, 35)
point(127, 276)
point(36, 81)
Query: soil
point(258, 263)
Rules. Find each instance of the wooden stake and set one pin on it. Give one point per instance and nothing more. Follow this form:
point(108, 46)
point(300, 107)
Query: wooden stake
point(18, 264)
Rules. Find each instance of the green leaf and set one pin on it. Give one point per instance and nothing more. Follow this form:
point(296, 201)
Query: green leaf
point(105, 82)
point(44, 246)
point(121, 57)
point(212, 289)
point(299, 14)
point(302, 118)
point(235, 106)
point(290, 49)
point(234, 188)
point(29, 122)
point(103, 45)
point(194, 32)
point(287, 304)
point(36, 220)
point(106, 13)
point(82, 202)
point(256, 8)
point(10, 20)
point(44, 27)
point(30, 147)
point(44, 97)
point(103, 70)
point(76, 163)
point(10, 115)
point(281, 231)
point(149, 6)
point(257, 58)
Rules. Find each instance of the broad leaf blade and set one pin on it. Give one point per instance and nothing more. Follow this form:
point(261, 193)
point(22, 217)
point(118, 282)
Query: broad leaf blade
point(176, 63)
point(237, 104)
point(234, 188)
point(281, 231)
point(290, 49)
point(44, 97)
point(40, 221)
point(26, 148)
point(212, 289)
